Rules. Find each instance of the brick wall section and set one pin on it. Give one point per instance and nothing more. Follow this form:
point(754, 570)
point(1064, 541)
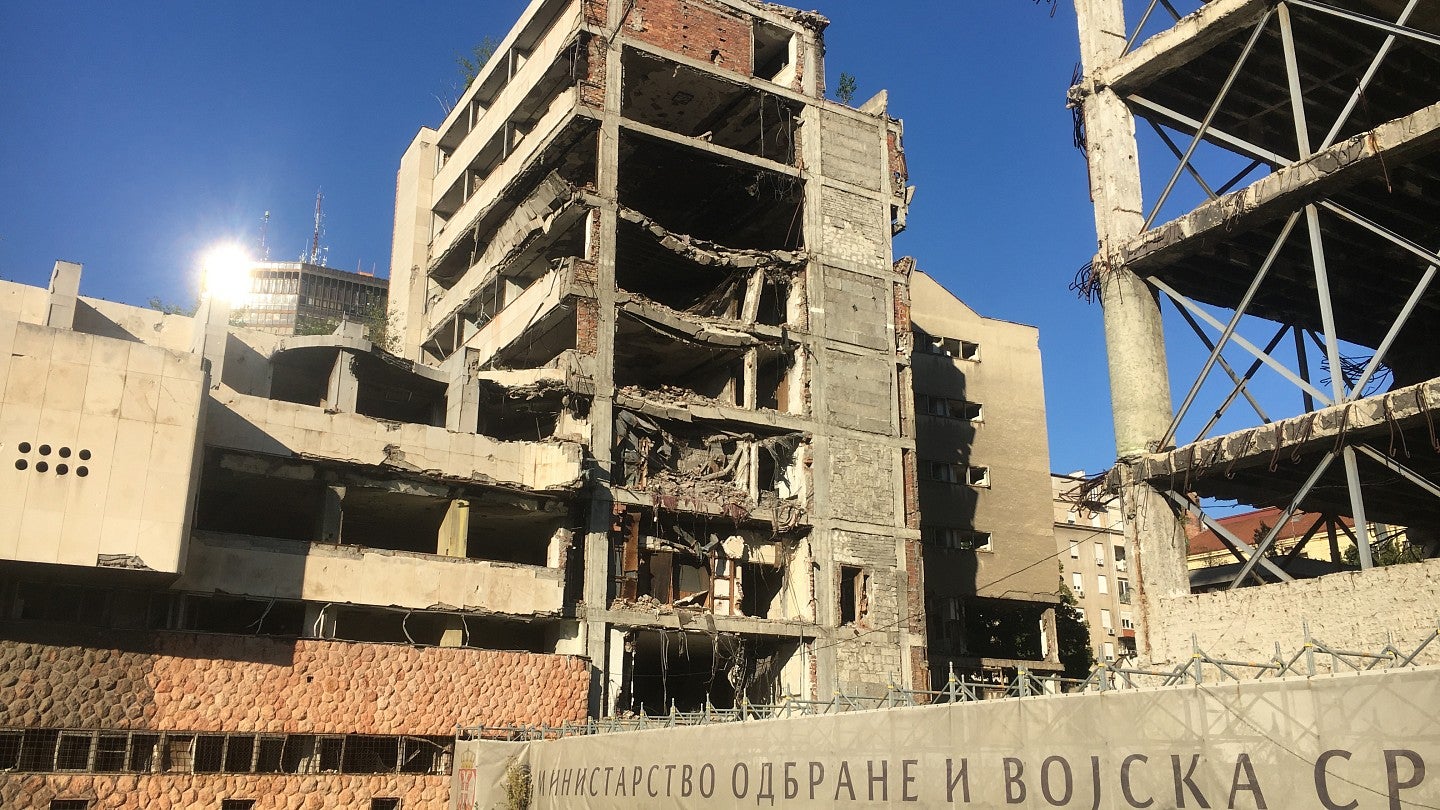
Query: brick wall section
point(695, 29)
point(914, 588)
point(911, 474)
point(587, 325)
point(194, 682)
point(592, 85)
point(183, 791)
point(1351, 611)
point(597, 12)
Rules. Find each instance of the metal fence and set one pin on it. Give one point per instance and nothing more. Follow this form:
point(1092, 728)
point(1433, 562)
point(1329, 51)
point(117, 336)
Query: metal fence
point(1313, 658)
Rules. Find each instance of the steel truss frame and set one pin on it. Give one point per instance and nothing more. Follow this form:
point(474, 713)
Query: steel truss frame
point(1342, 391)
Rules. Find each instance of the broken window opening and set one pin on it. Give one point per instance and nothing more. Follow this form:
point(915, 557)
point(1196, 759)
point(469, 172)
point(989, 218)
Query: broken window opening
point(954, 539)
point(220, 614)
point(209, 753)
point(774, 57)
point(538, 101)
point(854, 594)
point(946, 346)
point(690, 671)
point(571, 156)
point(702, 105)
point(142, 752)
point(743, 206)
point(242, 495)
point(428, 629)
point(514, 533)
point(998, 628)
point(655, 359)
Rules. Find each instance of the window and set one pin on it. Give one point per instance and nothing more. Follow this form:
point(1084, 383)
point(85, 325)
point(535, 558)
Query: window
point(977, 476)
point(1109, 651)
point(1074, 547)
point(385, 804)
point(957, 539)
point(1107, 622)
point(941, 471)
point(1099, 553)
point(69, 804)
point(1119, 551)
point(1077, 583)
point(73, 752)
point(949, 408)
point(1126, 622)
point(1122, 589)
point(854, 597)
point(237, 804)
point(1102, 584)
point(951, 347)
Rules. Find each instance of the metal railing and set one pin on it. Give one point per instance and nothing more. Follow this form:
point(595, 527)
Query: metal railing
point(1313, 658)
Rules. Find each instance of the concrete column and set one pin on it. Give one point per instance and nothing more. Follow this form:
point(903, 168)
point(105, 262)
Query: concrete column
point(1050, 635)
point(595, 593)
point(210, 331)
point(454, 633)
point(453, 537)
point(410, 246)
point(64, 294)
point(344, 388)
point(1134, 339)
point(329, 528)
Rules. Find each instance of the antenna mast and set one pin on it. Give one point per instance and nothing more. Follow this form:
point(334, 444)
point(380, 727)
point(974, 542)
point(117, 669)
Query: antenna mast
point(315, 239)
point(264, 231)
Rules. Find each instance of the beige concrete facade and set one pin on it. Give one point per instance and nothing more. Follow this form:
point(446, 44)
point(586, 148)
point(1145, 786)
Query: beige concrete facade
point(983, 482)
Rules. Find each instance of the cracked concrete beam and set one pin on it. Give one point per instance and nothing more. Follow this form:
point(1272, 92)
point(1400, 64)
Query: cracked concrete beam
point(710, 253)
point(1275, 195)
point(1180, 44)
point(1305, 433)
point(693, 329)
point(555, 202)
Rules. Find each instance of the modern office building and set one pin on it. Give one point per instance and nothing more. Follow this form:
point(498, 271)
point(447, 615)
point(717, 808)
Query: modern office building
point(293, 298)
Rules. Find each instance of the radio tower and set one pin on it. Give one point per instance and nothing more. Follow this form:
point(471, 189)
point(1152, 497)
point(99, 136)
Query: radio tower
point(315, 238)
point(264, 231)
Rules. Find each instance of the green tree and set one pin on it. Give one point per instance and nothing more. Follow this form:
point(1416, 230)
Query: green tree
point(845, 88)
point(1389, 550)
point(470, 64)
point(1074, 636)
point(379, 329)
point(172, 308)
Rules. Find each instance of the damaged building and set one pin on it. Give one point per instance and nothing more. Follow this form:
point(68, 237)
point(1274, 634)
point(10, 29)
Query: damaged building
point(1286, 215)
point(644, 236)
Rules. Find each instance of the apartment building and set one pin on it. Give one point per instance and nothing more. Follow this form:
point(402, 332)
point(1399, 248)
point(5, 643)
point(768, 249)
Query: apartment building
point(983, 470)
point(1095, 564)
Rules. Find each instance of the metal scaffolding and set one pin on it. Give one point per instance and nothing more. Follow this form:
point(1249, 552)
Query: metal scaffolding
point(1323, 241)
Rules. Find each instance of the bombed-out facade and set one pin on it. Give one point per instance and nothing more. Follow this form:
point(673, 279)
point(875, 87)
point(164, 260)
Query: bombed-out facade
point(642, 439)
point(643, 239)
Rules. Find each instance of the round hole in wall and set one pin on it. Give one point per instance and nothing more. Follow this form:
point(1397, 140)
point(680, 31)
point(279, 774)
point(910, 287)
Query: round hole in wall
point(44, 449)
point(21, 464)
point(61, 469)
point(82, 471)
point(64, 452)
point(84, 455)
point(41, 466)
point(24, 447)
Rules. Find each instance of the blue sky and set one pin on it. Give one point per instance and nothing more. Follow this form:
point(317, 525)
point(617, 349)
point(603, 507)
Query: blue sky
point(136, 134)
